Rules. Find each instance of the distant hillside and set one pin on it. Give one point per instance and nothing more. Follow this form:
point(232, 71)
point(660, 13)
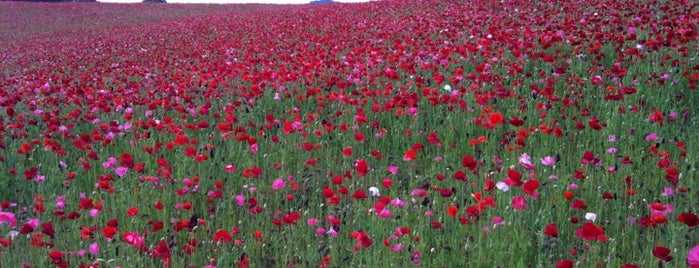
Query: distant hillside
point(322, 2)
point(56, 1)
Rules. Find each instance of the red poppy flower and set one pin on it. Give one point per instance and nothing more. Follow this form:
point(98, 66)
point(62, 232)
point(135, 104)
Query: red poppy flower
point(662, 253)
point(132, 211)
point(432, 138)
point(56, 256)
point(222, 236)
point(452, 210)
point(361, 167)
point(460, 175)
point(470, 163)
point(25, 148)
point(362, 239)
point(530, 187)
point(347, 151)
point(564, 264)
point(551, 230)
point(161, 251)
point(688, 218)
point(514, 178)
point(578, 204)
point(591, 232)
point(495, 119)
point(127, 160)
point(359, 194)
point(409, 155)
point(47, 228)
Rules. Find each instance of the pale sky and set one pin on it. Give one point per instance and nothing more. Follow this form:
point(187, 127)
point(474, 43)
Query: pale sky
point(234, 1)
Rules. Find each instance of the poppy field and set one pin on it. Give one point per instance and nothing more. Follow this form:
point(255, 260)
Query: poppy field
point(383, 134)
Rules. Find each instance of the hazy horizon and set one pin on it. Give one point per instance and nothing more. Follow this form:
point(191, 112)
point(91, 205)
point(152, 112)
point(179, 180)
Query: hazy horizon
point(235, 1)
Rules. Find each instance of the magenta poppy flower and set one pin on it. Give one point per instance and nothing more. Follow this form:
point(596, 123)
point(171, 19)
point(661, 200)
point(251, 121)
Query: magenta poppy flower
point(94, 248)
point(519, 203)
point(9, 218)
point(693, 257)
point(392, 169)
point(278, 184)
point(651, 137)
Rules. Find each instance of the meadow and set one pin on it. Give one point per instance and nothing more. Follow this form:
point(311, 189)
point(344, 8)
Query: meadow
point(384, 134)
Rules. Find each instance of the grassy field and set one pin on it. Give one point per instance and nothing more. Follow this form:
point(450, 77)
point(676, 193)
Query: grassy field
point(382, 134)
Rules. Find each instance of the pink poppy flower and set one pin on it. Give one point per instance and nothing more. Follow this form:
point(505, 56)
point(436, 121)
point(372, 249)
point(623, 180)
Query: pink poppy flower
point(392, 169)
point(548, 161)
point(525, 161)
point(94, 248)
point(121, 171)
point(132, 238)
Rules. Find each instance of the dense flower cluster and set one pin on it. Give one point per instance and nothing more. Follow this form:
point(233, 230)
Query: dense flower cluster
point(462, 133)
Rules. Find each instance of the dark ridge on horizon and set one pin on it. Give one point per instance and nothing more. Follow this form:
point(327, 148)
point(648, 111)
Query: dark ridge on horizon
point(55, 1)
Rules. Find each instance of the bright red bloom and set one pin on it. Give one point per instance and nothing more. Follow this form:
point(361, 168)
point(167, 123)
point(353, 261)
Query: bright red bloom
point(132, 211)
point(361, 167)
point(495, 119)
point(56, 256)
point(291, 218)
point(514, 178)
point(470, 163)
point(25, 148)
point(254, 172)
point(243, 262)
point(672, 175)
point(432, 138)
point(591, 232)
point(568, 195)
point(530, 187)
point(362, 239)
point(564, 264)
point(359, 194)
point(161, 251)
point(222, 236)
point(551, 230)
point(347, 151)
point(460, 175)
point(359, 137)
point(578, 204)
point(452, 210)
point(258, 236)
point(409, 155)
